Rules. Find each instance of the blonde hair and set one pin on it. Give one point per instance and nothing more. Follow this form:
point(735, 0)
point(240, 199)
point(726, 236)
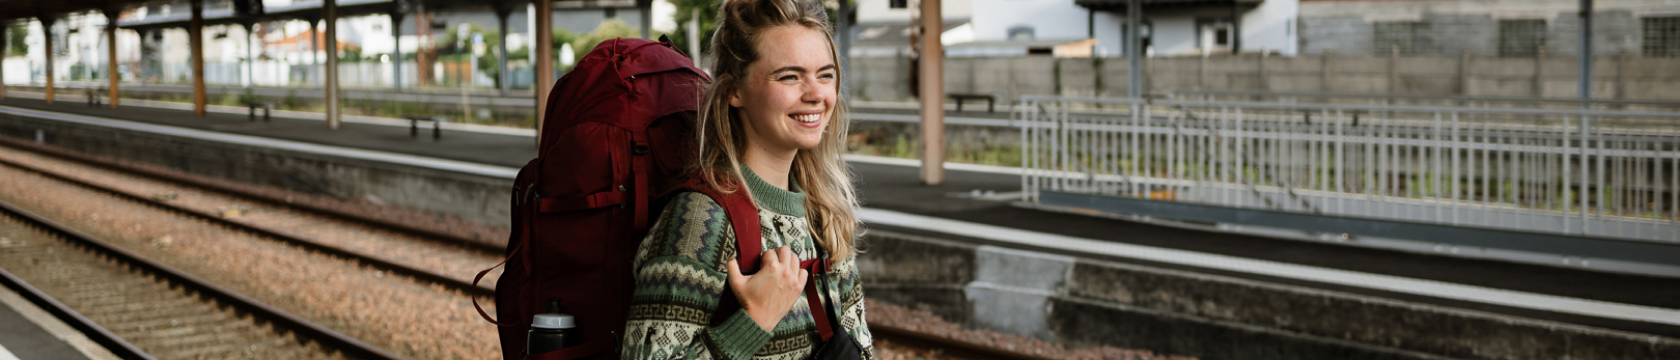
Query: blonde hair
point(830, 201)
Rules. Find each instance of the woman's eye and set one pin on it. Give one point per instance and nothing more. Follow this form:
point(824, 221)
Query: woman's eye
point(826, 76)
point(788, 78)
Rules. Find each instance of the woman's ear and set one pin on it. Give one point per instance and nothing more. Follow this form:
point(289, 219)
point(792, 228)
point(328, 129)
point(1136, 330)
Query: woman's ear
point(735, 98)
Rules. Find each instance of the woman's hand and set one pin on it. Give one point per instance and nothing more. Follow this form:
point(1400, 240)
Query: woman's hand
point(769, 294)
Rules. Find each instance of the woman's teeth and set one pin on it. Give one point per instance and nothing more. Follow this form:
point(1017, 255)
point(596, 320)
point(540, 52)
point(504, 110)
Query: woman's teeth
point(807, 118)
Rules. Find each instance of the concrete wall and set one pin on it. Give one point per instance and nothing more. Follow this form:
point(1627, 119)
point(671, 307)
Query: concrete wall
point(1452, 27)
point(1614, 77)
point(470, 197)
point(1089, 302)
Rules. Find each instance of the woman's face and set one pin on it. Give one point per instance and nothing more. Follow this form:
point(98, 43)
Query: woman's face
point(786, 98)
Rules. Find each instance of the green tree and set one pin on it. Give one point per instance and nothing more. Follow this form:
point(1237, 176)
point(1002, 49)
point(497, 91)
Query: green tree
point(15, 35)
point(606, 31)
point(685, 14)
point(708, 20)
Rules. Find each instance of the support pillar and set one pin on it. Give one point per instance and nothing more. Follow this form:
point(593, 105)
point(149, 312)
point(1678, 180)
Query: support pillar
point(396, 51)
point(843, 38)
point(1464, 72)
point(5, 47)
point(195, 31)
point(250, 60)
point(694, 38)
point(1236, 28)
point(314, 47)
point(329, 14)
point(111, 55)
point(1586, 50)
point(932, 94)
point(46, 29)
point(1134, 49)
point(545, 59)
point(1324, 72)
point(502, 12)
point(645, 7)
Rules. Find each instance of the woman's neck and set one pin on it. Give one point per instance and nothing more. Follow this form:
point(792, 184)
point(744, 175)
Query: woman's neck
point(772, 168)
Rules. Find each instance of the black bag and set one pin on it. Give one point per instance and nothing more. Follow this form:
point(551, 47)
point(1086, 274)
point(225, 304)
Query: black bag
point(840, 346)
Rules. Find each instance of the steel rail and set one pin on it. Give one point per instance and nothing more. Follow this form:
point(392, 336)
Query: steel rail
point(429, 234)
point(99, 334)
point(341, 342)
point(392, 265)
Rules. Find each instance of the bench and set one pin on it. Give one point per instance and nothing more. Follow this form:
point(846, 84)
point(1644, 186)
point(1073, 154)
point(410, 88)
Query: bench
point(414, 125)
point(253, 105)
point(959, 97)
point(94, 97)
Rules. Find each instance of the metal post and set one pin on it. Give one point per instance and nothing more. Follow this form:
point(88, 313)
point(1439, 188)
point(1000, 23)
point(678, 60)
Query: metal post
point(396, 50)
point(314, 47)
point(933, 95)
point(502, 12)
point(1134, 54)
point(110, 54)
point(329, 14)
point(843, 40)
point(545, 59)
point(5, 46)
point(645, 8)
point(1236, 28)
point(197, 34)
point(250, 59)
point(694, 38)
point(46, 29)
point(1586, 49)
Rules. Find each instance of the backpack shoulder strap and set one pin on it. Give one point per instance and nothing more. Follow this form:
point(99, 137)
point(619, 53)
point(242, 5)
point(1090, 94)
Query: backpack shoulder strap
point(743, 217)
point(749, 240)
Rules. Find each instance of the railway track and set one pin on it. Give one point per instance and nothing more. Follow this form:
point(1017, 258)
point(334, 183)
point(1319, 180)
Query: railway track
point(369, 281)
point(371, 258)
point(899, 337)
point(142, 309)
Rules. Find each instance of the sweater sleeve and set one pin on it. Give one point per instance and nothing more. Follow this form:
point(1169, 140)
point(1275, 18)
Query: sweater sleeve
point(680, 279)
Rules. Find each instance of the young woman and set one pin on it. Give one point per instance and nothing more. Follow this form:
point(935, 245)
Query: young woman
point(771, 125)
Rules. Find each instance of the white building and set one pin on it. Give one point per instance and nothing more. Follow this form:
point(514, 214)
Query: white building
point(1022, 27)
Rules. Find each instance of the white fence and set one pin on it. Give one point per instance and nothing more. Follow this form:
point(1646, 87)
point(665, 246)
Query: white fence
point(1582, 173)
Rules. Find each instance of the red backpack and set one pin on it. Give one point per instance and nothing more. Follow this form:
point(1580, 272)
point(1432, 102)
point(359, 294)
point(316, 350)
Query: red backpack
point(618, 134)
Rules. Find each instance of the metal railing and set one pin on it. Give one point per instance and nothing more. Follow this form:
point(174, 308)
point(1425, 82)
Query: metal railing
point(1584, 172)
point(1506, 102)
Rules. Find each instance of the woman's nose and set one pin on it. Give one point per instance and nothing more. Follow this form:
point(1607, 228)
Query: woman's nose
point(816, 91)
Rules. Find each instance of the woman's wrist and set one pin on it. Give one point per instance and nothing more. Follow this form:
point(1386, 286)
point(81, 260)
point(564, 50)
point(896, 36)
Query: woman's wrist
point(765, 321)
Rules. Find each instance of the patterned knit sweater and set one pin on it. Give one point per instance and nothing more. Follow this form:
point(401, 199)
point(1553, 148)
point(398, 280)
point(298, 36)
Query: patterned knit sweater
point(681, 278)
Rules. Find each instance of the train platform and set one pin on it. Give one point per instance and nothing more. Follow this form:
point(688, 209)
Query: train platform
point(28, 332)
point(975, 205)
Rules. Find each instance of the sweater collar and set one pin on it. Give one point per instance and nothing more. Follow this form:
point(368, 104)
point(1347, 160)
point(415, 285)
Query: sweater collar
point(786, 202)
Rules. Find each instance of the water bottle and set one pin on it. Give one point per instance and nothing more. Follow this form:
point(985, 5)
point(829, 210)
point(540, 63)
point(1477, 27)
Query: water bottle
point(552, 330)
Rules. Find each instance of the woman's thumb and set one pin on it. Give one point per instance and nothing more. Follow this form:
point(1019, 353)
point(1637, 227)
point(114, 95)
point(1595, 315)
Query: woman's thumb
point(734, 268)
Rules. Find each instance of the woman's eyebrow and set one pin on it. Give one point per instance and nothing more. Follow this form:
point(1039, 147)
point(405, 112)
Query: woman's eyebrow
point(802, 69)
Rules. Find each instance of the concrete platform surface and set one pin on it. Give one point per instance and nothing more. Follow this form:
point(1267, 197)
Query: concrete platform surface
point(29, 333)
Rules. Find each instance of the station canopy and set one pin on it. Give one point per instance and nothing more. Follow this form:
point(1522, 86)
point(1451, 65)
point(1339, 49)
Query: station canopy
point(220, 12)
point(1120, 5)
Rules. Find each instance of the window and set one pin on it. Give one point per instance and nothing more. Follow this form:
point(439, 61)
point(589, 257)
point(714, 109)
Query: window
point(1661, 36)
point(898, 4)
point(1521, 37)
point(1020, 32)
point(1387, 36)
